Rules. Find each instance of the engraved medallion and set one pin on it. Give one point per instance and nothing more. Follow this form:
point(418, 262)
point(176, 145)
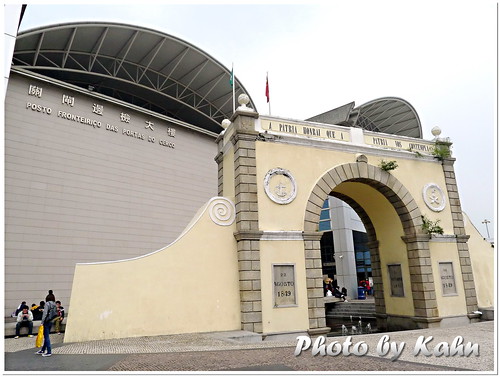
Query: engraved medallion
point(434, 197)
point(280, 186)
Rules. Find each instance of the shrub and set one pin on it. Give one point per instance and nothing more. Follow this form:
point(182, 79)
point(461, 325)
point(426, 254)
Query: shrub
point(388, 165)
point(431, 227)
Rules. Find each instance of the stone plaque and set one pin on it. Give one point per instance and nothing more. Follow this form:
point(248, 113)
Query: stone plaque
point(284, 285)
point(396, 278)
point(447, 278)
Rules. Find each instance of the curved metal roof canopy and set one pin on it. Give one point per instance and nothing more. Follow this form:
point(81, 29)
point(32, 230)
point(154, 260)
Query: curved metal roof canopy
point(141, 66)
point(389, 115)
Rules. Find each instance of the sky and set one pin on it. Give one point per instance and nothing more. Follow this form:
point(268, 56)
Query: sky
point(440, 56)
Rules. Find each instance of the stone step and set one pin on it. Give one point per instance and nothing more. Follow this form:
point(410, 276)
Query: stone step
point(350, 312)
point(354, 305)
point(10, 327)
point(351, 309)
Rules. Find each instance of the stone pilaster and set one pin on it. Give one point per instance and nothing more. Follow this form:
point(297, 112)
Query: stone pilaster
point(459, 230)
point(422, 280)
point(248, 248)
point(219, 158)
point(247, 221)
point(314, 279)
point(378, 286)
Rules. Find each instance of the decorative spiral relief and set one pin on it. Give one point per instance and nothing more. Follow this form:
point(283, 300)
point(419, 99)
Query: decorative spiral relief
point(222, 211)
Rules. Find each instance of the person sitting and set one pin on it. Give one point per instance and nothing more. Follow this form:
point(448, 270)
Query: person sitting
point(60, 316)
point(339, 294)
point(38, 311)
point(327, 286)
point(20, 308)
point(24, 319)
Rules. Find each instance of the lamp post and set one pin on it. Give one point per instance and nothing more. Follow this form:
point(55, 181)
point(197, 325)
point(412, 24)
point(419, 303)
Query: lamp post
point(485, 222)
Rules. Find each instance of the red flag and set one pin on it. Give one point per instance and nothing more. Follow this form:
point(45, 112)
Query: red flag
point(267, 89)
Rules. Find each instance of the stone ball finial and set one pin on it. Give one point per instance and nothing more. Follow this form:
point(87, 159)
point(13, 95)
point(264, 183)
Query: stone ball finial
point(243, 100)
point(225, 123)
point(436, 131)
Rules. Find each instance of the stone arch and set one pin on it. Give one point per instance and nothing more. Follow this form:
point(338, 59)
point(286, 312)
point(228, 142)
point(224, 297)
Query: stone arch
point(362, 172)
point(417, 243)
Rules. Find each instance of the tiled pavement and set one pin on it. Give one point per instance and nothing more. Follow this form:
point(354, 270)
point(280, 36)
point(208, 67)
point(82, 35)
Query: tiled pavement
point(211, 351)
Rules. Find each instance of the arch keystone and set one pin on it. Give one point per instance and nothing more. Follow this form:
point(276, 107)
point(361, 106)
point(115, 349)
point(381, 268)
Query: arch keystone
point(361, 158)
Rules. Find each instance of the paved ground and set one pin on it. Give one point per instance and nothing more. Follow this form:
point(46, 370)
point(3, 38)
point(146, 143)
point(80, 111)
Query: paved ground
point(213, 352)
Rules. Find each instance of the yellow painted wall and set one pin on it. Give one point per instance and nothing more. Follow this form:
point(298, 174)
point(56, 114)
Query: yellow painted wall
point(289, 318)
point(392, 248)
point(483, 262)
point(447, 305)
point(414, 175)
point(308, 165)
point(190, 286)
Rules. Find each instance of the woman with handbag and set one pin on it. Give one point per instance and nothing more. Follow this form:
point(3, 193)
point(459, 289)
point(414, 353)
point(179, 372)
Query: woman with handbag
point(49, 313)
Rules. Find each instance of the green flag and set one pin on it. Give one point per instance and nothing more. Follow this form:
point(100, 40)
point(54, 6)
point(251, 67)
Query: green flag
point(231, 78)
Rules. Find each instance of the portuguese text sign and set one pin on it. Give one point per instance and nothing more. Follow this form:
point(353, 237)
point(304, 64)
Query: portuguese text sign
point(396, 278)
point(401, 144)
point(284, 285)
point(298, 129)
point(447, 278)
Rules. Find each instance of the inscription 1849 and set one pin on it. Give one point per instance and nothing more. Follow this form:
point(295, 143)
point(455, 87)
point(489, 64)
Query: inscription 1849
point(284, 285)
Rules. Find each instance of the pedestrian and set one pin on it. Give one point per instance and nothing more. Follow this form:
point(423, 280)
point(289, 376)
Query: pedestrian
point(60, 316)
point(24, 319)
point(49, 313)
point(38, 311)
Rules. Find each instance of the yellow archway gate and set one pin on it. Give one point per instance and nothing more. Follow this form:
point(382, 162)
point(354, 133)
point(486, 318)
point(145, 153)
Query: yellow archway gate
point(419, 305)
point(257, 245)
point(279, 173)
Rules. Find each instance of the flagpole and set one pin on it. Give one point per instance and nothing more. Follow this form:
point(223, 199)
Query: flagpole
point(234, 100)
point(267, 91)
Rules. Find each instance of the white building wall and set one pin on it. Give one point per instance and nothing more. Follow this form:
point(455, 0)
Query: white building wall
point(344, 221)
point(78, 193)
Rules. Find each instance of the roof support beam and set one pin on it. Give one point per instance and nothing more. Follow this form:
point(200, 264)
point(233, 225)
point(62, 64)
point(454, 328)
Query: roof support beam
point(128, 45)
point(68, 47)
point(189, 79)
point(216, 81)
point(99, 43)
point(182, 55)
point(157, 49)
point(38, 47)
point(195, 76)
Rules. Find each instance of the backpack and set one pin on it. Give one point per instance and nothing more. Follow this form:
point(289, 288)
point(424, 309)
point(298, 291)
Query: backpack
point(51, 314)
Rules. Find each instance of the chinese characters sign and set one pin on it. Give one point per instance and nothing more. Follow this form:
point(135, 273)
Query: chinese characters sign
point(163, 136)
